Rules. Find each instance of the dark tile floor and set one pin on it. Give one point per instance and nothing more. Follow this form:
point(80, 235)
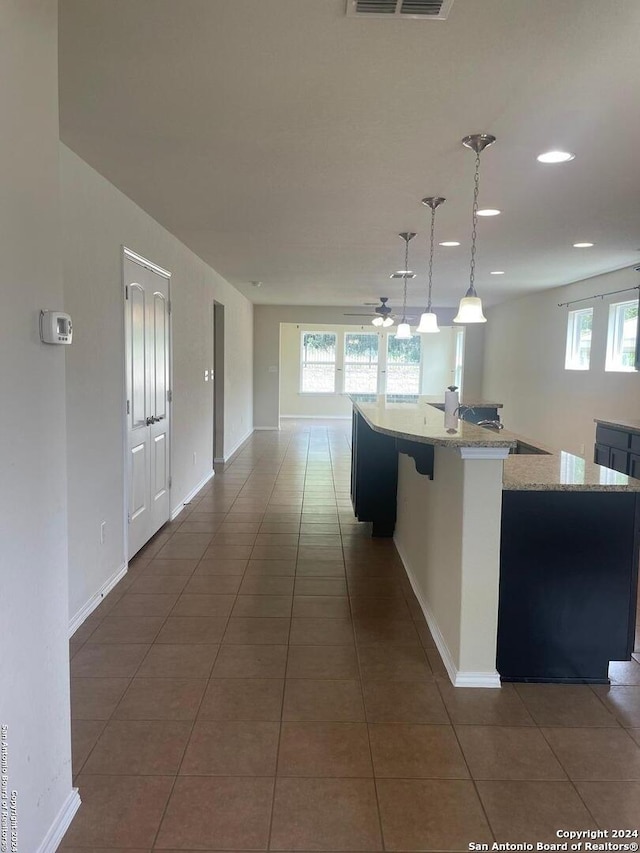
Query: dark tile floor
point(263, 678)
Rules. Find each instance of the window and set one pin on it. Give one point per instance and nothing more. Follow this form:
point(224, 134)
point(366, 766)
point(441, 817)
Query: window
point(403, 365)
point(579, 339)
point(318, 374)
point(621, 340)
point(360, 363)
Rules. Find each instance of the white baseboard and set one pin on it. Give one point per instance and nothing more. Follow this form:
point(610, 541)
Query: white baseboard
point(238, 445)
point(61, 824)
point(477, 679)
point(175, 512)
point(317, 417)
point(88, 608)
point(272, 429)
point(459, 677)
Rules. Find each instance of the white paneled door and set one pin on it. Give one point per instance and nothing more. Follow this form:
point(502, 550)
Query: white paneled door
point(148, 400)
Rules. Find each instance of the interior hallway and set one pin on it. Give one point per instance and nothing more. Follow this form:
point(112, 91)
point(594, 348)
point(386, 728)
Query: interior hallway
point(263, 678)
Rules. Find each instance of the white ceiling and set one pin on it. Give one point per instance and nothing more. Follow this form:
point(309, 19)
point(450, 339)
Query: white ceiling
point(286, 142)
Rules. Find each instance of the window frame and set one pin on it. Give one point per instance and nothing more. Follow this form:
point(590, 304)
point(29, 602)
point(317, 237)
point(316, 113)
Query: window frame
point(572, 349)
point(615, 329)
point(346, 362)
point(336, 389)
point(389, 335)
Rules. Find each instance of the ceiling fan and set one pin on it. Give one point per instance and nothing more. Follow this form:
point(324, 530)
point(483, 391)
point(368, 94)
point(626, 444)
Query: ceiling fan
point(382, 315)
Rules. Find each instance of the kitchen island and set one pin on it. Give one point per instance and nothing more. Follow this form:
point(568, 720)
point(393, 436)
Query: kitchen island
point(524, 560)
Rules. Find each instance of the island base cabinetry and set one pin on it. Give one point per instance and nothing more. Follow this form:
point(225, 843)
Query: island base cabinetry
point(374, 477)
point(568, 584)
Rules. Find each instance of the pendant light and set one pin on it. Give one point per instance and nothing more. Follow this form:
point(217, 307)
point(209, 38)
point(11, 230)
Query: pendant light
point(404, 329)
point(470, 309)
point(428, 320)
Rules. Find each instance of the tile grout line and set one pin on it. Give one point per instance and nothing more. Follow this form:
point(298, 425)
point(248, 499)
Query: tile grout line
point(316, 449)
point(128, 687)
point(282, 701)
point(197, 712)
point(132, 677)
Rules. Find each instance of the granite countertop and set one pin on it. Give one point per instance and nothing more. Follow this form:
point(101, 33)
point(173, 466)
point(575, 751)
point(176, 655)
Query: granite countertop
point(562, 472)
point(420, 421)
point(432, 400)
point(547, 470)
point(627, 425)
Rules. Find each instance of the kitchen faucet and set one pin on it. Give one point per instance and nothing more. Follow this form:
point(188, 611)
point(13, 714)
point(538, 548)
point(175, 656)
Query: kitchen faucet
point(462, 410)
point(497, 424)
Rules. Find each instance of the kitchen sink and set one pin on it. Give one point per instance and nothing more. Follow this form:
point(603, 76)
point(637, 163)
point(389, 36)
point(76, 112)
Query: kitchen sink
point(523, 448)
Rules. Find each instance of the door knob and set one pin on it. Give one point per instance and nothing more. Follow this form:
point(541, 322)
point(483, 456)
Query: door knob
point(150, 421)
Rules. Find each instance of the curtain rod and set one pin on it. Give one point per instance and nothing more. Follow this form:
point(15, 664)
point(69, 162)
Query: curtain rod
point(599, 295)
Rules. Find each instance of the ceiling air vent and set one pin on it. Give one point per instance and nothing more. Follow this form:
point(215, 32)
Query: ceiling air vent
point(425, 10)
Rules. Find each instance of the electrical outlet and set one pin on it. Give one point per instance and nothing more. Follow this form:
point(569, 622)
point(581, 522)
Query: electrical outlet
point(103, 532)
point(582, 450)
point(194, 457)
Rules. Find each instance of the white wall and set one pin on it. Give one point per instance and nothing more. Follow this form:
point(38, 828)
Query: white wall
point(34, 658)
point(97, 219)
point(267, 355)
point(525, 342)
point(448, 536)
point(439, 360)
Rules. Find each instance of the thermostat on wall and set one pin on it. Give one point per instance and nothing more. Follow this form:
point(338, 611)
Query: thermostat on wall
point(55, 327)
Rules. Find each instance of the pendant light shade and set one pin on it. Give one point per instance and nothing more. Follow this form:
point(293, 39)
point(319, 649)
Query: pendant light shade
point(428, 320)
point(404, 329)
point(428, 323)
point(470, 308)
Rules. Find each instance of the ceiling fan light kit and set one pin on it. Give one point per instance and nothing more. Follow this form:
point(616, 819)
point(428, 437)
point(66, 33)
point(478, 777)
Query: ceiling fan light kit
point(382, 316)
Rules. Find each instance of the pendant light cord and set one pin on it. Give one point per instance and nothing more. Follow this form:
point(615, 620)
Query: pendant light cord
point(406, 267)
point(433, 225)
point(472, 274)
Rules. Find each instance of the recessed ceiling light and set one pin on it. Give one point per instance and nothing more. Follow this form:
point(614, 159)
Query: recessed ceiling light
point(497, 272)
point(489, 211)
point(582, 245)
point(555, 157)
point(449, 243)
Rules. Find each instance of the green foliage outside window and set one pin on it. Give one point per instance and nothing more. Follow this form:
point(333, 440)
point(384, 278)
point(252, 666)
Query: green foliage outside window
point(404, 351)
